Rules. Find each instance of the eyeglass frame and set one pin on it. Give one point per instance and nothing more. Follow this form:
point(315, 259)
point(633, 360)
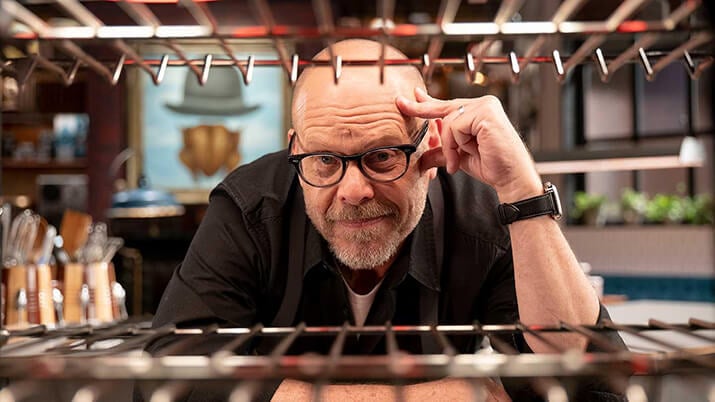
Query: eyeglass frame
point(408, 150)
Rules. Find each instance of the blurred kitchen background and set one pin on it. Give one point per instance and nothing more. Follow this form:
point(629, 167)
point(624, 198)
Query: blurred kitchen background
point(628, 140)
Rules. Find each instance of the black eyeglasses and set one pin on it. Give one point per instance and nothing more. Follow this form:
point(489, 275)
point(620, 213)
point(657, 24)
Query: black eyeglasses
point(383, 164)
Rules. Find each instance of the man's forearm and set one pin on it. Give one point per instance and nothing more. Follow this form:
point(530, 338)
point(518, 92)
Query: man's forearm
point(448, 389)
point(550, 285)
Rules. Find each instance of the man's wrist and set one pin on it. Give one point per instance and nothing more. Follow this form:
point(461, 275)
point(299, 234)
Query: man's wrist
point(517, 191)
point(547, 203)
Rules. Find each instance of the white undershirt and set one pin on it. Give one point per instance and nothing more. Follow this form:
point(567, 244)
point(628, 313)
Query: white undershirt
point(361, 303)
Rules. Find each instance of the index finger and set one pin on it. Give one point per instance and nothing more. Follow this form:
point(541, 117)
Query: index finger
point(430, 109)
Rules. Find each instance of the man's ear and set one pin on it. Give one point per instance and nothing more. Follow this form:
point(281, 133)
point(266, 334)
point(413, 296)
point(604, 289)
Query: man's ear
point(433, 157)
point(435, 140)
point(289, 136)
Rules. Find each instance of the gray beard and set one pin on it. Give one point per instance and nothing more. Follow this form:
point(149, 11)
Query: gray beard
point(369, 248)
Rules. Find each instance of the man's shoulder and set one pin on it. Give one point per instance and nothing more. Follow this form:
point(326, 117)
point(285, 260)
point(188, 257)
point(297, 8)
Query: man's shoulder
point(266, 181)
point(474, 208)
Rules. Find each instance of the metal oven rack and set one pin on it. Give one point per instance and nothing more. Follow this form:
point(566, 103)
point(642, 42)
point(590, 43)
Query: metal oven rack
point(125, 41)
point(101, 357)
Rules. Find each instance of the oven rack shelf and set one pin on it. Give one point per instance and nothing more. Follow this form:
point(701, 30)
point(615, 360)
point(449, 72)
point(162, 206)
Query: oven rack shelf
point(116, 352)
point(86, 363)
point(653, 43)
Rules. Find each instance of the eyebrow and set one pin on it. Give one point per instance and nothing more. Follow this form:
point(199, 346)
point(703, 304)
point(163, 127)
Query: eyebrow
point(389, 139)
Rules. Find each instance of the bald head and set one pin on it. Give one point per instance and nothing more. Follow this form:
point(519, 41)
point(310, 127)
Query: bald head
point(318, 81)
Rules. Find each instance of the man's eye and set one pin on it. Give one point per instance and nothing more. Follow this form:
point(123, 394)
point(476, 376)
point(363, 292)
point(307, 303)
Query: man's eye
point(327, 160)
point(382, 156)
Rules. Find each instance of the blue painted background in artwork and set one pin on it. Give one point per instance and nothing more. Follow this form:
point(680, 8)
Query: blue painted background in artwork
point(261, 130)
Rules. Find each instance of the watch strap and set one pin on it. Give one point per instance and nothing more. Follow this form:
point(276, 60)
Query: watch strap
point(528, 208)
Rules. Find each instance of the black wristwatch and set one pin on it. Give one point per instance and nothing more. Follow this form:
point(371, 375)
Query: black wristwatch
point(546, 204)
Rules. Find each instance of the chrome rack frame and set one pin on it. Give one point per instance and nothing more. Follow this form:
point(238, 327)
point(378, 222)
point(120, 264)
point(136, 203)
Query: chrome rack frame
point(35, 355)
point(21, 354)
point(478, 35)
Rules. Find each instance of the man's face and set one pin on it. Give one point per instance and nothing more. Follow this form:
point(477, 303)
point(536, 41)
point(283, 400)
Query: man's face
point(364, 222)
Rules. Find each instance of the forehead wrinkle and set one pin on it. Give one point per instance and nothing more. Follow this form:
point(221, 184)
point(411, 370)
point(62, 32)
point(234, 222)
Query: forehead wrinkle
point(354, 136)
point(342, 110)
point(330, 118)
point(322, 143)
point(373, 131)
point(357, 127)
point(347, 110)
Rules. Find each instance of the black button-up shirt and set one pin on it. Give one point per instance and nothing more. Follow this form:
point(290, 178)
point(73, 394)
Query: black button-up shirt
point(257, 258)
point(239, 269)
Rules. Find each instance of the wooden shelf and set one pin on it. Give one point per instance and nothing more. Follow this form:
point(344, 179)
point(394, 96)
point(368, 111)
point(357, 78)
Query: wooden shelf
point(15, 117)
point(78, 163)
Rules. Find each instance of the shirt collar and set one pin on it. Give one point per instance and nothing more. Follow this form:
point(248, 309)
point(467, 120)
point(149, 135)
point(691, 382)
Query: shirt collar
point(423, 264)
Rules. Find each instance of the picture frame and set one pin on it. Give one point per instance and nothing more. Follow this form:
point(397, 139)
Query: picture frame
point(188, 137)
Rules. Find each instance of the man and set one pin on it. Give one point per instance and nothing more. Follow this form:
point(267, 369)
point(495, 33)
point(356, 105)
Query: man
point(387, 236)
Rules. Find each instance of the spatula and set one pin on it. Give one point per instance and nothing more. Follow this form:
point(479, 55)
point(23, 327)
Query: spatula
point(74, 230)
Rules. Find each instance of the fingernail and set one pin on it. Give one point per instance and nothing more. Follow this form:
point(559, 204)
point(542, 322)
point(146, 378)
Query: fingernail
point(420, 90)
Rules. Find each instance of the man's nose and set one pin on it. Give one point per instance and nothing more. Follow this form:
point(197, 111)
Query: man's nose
point(355, 188)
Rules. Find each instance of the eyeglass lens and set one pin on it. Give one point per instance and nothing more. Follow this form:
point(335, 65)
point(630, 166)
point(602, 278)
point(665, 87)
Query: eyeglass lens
point(380, 165)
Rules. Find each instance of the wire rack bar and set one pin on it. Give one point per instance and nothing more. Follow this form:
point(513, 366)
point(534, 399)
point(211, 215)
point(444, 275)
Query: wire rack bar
point(645, 41)
point(302, 63)
point(697, 359)
point(151, 30)
point(445, 15)
point(140, 13)
point(564, 12)
point(462, 31)
point(625, 10)
point(156, 68)
point(264, 12)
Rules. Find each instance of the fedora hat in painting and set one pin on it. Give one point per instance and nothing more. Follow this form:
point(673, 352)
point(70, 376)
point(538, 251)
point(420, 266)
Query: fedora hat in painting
point(220, 96)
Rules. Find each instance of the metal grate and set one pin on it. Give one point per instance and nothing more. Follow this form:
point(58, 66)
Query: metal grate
point(126, 40)
point(99, 357)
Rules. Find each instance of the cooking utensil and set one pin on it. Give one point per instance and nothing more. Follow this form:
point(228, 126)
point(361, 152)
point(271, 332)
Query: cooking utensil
point(44, 253)
point(26, 237)
point(21, 307)
point(57, 300)
point(61, 256)
point(38, 240)
point(120, 298)
point(93, 250)
point(5, 219)
point(14, 279)
point(84, 299)
point(42, 296)
point(14, 238)
point(99, 284)
point(72, 278)
point(74, 230)
point(111, 247)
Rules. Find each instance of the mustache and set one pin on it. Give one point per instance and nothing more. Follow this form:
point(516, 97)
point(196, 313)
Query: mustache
point(370, 210)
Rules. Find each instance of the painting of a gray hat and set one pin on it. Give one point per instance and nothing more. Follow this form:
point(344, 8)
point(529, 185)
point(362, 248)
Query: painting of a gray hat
point(194, 135)
point(221, 95)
